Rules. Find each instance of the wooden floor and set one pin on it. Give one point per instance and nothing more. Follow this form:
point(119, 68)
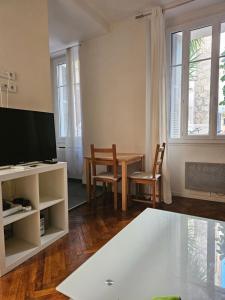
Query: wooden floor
point(38, 277)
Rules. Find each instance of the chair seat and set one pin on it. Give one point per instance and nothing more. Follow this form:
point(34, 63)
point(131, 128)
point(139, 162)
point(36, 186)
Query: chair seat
point(107, 176)
point(143, 175)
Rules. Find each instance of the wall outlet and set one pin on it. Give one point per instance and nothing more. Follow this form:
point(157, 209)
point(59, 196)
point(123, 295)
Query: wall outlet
point(8, 75)
point(12, 75)
point(12, 87)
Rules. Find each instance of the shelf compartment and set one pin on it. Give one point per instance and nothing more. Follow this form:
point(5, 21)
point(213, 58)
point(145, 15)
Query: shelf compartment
point(51, 185)
point(55, 222)
point(18, 216)
point(23, 187)
point(47, 201)
point(51, 234)
point(16, 250)
point(24, 240)
point(46, 188)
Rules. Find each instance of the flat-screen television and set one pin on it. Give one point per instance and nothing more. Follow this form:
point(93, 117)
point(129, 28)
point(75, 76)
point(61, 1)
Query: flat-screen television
point(26, 136)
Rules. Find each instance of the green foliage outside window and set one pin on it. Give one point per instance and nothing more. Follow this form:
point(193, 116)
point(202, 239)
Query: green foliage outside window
point(222, 79)
point(194, 54)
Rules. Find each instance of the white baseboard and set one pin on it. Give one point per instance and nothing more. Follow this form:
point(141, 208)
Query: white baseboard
point(200, 195)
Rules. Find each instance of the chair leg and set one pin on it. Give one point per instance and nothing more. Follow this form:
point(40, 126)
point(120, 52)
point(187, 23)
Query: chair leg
point(115, 194)
point(104, 187)
point(109, 188)
point(129, 190)
point(105, 192)
point(160, 189)
point(137, 192)
point(94, 193)
point(154, 194)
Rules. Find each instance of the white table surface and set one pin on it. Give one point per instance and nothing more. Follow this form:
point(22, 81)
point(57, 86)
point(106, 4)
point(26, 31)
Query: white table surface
point(159, 253)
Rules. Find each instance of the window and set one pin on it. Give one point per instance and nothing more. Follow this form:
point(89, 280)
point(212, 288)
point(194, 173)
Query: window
point(76, 86)
point(67, 108)
point(197, 82)
point(221, 85)
point(176, 74)
point(67, 100)
point(200, 49)
point(61, 98)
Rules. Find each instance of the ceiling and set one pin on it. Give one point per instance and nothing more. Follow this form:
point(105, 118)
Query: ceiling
point(71, 21)
point(116, 10)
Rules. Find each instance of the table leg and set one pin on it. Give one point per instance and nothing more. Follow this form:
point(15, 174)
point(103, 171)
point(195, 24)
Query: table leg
point(88, 179)
point(109, 185)
point(142, 188)
point(124, 186)
point(143, 163)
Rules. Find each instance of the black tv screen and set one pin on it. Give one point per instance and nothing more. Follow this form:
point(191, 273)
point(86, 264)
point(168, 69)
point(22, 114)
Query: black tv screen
point(26, 136)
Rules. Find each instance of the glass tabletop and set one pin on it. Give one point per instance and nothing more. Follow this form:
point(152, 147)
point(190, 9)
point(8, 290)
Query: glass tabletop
point(158, 254)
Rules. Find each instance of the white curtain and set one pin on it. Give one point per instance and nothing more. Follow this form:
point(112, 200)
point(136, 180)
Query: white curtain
point(156, 104)
point(74, 147)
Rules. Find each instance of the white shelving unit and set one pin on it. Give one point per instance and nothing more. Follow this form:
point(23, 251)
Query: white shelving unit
point(48, 201)
point(46, 187)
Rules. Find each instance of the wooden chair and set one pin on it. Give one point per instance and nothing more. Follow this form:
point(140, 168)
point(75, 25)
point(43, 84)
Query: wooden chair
point(153, 179)
point(111, 175)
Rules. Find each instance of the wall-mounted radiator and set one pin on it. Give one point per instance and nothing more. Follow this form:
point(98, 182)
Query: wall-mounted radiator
point(205, 177)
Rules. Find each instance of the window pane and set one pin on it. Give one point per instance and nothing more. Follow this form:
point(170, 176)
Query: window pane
point(63, 111)
point(200, 44)
point(222, 40)
point(199, 97)
point(61, 74)
point(221, 98)
point(175, 103)
point(177, 48)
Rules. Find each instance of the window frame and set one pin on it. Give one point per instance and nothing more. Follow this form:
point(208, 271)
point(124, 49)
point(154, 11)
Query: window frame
point(61, 141)
point(214, 21)
point(171, 66)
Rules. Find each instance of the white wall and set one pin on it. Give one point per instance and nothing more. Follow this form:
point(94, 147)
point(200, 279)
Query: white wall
point(113, 85)
point(24, 50)
point(113, 78)
point(181, 153)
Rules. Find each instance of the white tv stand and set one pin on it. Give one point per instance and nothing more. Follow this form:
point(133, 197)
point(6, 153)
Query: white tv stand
point(46, 187)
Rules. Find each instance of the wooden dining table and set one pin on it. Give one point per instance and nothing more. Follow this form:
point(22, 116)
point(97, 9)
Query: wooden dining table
point(124, 160)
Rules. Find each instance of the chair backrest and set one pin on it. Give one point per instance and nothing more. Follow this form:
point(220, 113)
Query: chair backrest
point(158, 161)
point(99, 157)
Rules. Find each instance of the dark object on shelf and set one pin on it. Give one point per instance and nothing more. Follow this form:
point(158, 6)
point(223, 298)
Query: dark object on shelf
point(50, 161)
point(6, 205)
point(22, 201)
point(45, 214)
point(9, 208)
point(8, 231)
point(42, 224)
